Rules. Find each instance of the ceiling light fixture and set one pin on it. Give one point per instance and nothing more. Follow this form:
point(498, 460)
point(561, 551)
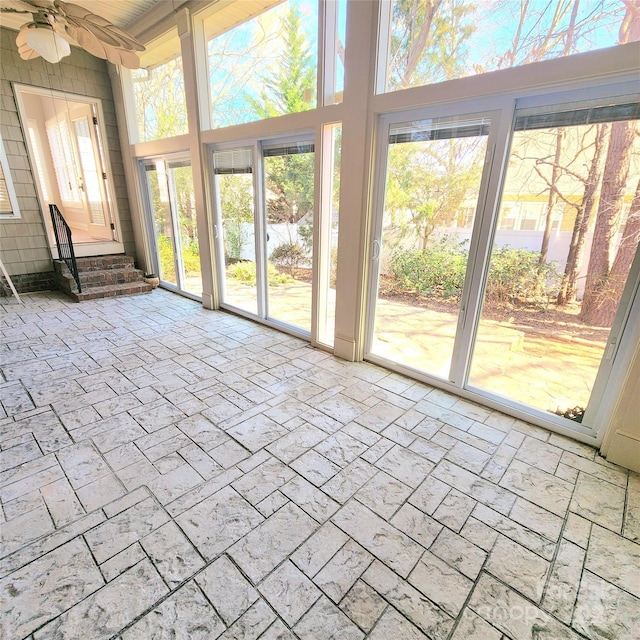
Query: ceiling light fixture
point(57, 23)
point(42, 38)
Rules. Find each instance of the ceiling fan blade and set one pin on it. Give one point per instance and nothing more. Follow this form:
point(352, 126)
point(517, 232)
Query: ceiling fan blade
point(126, 38)
point(123, 57)
point(24, 6)
point(86, 40)
point(99, 26)
point(85, 28)
point(47, 5)
point(101, 49)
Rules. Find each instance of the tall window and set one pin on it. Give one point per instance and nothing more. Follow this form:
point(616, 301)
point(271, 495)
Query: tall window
point(431, 41)
point(263, 67)
point(158, 88)
point(335, 32)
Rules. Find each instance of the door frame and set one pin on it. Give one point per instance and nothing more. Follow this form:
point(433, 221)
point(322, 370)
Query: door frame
point(260, 228)
point(500, 114)
point(151, 239)
point(81, 249)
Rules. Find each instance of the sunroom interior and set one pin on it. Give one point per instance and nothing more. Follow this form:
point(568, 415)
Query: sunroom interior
point(214, 161)
point(448, 191)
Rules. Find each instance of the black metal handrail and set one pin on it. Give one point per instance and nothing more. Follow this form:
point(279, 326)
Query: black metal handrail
point(64, 243)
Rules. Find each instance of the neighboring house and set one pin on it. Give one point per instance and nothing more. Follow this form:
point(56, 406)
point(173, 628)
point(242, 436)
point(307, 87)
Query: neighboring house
point(126, 155)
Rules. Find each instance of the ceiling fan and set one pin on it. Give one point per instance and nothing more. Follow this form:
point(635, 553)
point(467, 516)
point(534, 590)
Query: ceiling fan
point(56, 23)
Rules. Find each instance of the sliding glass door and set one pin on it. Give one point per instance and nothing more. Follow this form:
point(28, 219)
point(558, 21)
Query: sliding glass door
point(566, 235)
point(172, 217)
point(264, 198)
point(509, 274)
point(434, 170)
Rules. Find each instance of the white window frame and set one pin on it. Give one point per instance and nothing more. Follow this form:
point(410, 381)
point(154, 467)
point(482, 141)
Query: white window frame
point(14, 214)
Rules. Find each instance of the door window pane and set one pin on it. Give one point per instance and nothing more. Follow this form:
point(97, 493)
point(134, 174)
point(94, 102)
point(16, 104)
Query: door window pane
point(431, 41)
point(181, 183)
point(163, 223)
point(329, 234)
point(261, 66)
point(237, 241)
point(90, 176)
point(434, 170)
point(556, 277)
point(289, 202)
point(238, 232)
point(63, 161)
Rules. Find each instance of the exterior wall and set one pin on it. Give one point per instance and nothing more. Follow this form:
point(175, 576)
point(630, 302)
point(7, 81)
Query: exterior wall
point(23, 241)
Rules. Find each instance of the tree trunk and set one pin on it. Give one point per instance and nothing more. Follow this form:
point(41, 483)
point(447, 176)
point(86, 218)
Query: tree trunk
point(568, 288)
point(622, 263)
point(595, 304)
point(419, 44)
point(553, 196)
point(630, 27)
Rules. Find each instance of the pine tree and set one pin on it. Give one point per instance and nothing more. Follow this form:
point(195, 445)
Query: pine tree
point(289, 88)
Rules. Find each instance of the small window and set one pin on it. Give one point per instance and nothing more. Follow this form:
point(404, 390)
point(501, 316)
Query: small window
point(8, 201)
point(335, 32)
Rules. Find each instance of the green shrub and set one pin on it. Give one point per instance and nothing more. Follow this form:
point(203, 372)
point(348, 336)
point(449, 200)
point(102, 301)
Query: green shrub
point(438, 270)
point(191, 258)
point(515, 275)
point(288, 256)
point(245, 273)
point(165, 255)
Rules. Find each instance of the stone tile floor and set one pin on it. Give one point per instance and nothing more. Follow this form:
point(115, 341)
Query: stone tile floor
point(172, 472)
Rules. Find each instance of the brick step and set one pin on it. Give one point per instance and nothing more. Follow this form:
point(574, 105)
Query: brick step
point(101, 263)
point(112, 291)
point(97, 263)
point(103, 278)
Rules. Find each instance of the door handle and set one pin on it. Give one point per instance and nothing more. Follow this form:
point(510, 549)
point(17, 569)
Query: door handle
point(376, 250)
